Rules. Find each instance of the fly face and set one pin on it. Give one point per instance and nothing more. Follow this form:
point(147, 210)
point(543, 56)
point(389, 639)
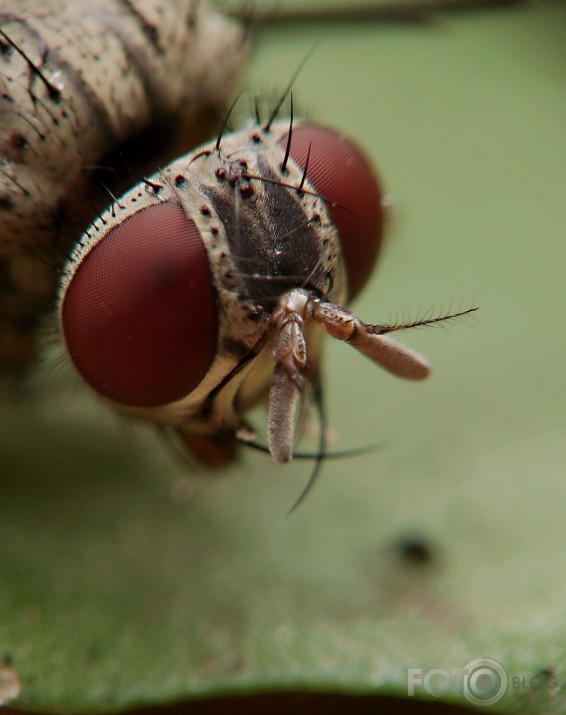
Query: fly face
point(206, 289)
point(200, 291)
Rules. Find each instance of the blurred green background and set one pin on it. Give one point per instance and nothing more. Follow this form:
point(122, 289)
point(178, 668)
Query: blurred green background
point(124, 581)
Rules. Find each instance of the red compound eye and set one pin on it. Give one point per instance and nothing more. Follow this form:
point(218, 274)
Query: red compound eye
point(342, 174)
point(139, 315)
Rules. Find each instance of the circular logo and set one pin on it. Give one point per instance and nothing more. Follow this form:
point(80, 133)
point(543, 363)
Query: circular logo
point(486, 681)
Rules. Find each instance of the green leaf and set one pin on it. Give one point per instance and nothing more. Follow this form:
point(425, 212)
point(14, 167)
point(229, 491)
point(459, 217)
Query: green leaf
point(126, 579)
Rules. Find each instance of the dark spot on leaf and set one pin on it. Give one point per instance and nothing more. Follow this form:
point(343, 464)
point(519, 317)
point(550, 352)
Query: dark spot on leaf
point(414, 550)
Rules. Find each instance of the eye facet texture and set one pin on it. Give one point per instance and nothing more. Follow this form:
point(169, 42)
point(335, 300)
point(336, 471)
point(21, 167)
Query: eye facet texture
point(343, 176)
point(139, 316)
